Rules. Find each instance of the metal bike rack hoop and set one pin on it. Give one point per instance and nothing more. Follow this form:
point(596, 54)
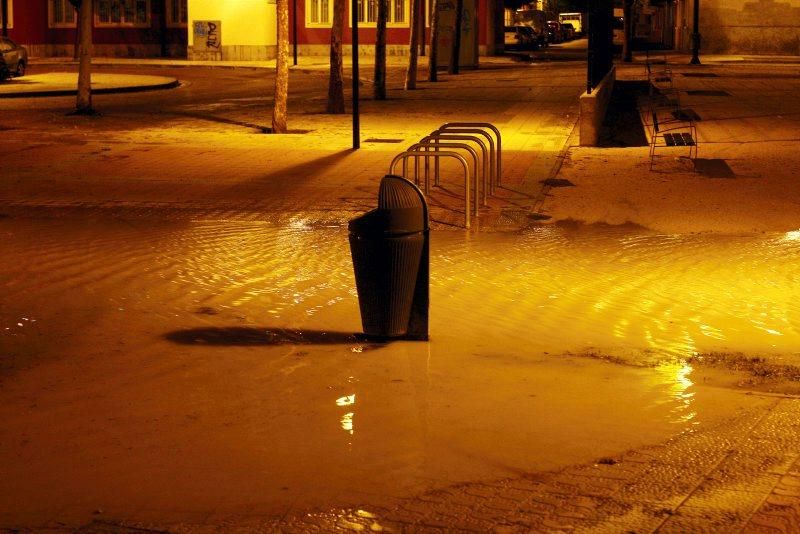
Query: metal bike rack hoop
point(490, 126)
point(464, 137)
point(428, 144)
point(449, 154)
point(493, 166)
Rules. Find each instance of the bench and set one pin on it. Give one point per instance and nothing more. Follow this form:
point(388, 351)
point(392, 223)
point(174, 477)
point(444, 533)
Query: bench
point(671, 133)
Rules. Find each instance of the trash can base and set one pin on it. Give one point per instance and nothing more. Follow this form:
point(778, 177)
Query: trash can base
point(372, 338)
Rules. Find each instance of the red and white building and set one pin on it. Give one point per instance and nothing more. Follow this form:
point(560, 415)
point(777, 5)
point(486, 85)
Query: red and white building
point(129, 28)
point(243, 29)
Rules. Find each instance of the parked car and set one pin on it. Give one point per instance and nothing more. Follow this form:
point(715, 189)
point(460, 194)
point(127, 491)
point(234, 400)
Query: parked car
point(14, 56)
point(536, 19)
point(567, 31)
point(554, 31)
point(540, 38)
point(520, 38)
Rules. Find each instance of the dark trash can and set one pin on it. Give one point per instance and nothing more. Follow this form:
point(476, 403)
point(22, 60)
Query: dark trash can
point(390, 249)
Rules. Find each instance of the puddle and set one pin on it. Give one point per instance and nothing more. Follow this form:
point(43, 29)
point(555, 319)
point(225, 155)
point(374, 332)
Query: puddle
point(213, 365)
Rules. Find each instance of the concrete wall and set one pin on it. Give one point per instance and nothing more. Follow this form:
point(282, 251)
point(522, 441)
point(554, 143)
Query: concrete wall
point(742, 26)
point(248, 32)
point(593, 109)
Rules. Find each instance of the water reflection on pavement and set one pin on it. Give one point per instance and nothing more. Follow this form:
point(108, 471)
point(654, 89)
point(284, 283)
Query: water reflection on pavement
point(212, 366)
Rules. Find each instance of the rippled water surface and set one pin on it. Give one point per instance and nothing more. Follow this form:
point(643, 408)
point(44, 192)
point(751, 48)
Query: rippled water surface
point(557, 288)
point(152, 364)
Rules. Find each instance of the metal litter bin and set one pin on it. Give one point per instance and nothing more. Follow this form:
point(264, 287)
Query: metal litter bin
point(390, 249)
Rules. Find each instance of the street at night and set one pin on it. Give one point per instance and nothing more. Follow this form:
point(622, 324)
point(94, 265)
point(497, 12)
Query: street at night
point(614, 342)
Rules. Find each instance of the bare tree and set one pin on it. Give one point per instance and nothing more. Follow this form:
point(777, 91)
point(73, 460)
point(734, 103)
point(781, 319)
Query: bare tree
point(455, 57)
point(336, 78)
point(411, 72)
point(83, 104)
point(281, 68)
point(379, 85)
point(433, 56)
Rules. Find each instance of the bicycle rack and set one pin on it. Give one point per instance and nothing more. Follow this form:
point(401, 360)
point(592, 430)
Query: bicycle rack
point(462, 137)
point(493, 128)
point(428, 145)
point(441, 143)
point(493, 164)
point(448, 154)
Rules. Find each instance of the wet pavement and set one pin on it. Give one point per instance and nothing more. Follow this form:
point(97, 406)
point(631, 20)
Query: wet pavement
point(188, 373)
point(179, 317)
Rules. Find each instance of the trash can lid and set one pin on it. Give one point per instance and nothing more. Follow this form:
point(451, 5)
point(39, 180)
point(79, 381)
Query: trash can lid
point(407, 210)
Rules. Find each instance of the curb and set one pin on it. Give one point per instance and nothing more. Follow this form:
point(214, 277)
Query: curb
point(108, 90)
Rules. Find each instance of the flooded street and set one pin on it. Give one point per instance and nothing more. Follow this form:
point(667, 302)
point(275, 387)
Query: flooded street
point(182, 369)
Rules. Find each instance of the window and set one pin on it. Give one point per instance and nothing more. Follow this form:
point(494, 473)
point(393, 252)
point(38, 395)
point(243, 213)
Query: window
point(398, 12)
point(319, 12)
point(10, 15)
point(122, 13)
point(61, 14)
point(176, 13)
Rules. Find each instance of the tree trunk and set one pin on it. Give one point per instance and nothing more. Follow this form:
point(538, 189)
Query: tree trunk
point(281, 68)
point(4, 16)
point(162, 29)
point(455, 56)
point(336, 78)
point(433, 56)
point(379, 85)
point(411, 73)
point(83, 104)
point(76, 49)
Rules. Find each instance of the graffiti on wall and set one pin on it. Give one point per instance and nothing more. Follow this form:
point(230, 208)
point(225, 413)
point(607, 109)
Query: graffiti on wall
point(207, 35)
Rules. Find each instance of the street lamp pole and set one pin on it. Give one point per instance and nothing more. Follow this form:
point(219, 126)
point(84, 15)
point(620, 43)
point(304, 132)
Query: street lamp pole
point(294, 31)
point(354, 26)
point(4, 16)
point(696, 34)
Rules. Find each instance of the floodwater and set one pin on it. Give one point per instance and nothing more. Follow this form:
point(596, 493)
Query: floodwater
point(181, 368)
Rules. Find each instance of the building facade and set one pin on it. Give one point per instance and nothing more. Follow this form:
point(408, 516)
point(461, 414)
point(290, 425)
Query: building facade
point(742, 26)
point(233, 30)
point(128, 28)
point(246, 29)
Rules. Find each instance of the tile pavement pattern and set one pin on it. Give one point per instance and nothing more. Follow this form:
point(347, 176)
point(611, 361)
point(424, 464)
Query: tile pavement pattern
point(742, 475)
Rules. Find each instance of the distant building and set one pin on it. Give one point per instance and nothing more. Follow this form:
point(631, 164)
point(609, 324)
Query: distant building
point(130, 28)
point(245, 29)
point(240, 30)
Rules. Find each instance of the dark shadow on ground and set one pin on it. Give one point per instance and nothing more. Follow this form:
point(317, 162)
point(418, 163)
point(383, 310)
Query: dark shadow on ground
point(224, 120)
point(687, 115)
point(713, 168)
point(623, 126)
point(300, 172)
point(253, 336)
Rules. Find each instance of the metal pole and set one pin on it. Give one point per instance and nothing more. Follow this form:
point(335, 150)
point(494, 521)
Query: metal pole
point(294, 30)
point(589, 49)
point(4, 16)
point(422, 17)
point(356, 124)
point(696, 34)
point(627, 30)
